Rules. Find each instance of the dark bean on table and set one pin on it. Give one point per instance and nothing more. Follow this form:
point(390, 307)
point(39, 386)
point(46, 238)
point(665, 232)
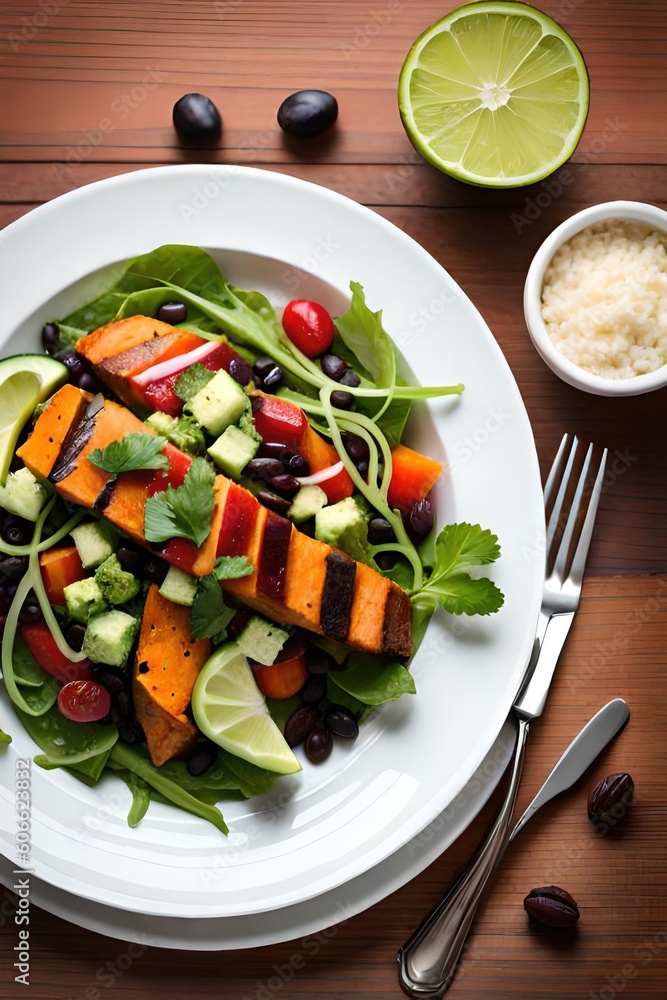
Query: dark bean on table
point(172, 312)
point(341, 722)
point(300, 723)
point(263, 366)
point(298, 466)
point(30, 613)
point(356, 447)
point(319, 745)
point(342, 400)
point(197, 117)
point(380, 532)
point(263, 468)
point(333, 366)
point(274, 449)
point(307, 112)
point(317, 661)
point(50, 338)
point(12, 568)
point(422, 518)
point(350, 378)
point(285, 483)
point(314, 690)
point(275, 503)
point(272, 378)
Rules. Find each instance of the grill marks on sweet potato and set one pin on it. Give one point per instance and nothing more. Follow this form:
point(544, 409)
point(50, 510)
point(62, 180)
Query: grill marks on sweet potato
point(273, 563)
point(120, 335)
point(75, 441)
point(337, 595)
point(117, 370)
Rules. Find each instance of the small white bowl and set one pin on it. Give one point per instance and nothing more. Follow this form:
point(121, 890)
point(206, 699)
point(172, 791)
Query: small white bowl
point(631, 211)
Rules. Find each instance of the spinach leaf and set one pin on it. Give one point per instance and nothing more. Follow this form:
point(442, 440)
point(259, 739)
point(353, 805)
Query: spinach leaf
point(27, 671)
point(337, 696)
point(66, 742)
point(4, 738)
point(141, 795)
point(374, 679)
point(362, 333)
point(88, 771)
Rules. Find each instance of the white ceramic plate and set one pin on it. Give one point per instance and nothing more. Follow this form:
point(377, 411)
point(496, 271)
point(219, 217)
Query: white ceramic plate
point(331, 823)
point(256, 930)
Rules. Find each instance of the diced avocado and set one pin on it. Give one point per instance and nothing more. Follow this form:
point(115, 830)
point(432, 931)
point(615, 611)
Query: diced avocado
point(109, 637)
point(232, 451)
point(344, 525)
point(262, 640)
point(183, 432)
point(247, 425)
point(179, 587)
point(84, 598)
point(116, 584)
point(219, 404)
point(23, 495)
point(95, 541)
point(307, 502)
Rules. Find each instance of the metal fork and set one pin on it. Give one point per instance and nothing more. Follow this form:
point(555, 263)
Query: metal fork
point(429, 959)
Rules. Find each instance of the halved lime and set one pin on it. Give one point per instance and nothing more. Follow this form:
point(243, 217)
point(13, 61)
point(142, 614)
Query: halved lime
point(495, 94)
point(230, 709)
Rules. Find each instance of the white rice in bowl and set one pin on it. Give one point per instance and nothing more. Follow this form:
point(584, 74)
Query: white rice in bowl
point(604, 299)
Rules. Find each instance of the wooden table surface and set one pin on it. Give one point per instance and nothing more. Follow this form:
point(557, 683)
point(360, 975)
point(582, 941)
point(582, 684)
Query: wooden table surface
point(87, 91)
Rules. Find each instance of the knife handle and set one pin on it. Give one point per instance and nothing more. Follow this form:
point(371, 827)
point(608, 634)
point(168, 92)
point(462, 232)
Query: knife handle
point(429, 959)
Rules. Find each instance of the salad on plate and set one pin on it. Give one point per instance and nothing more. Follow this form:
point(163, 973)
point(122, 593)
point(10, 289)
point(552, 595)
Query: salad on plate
point(215, 545)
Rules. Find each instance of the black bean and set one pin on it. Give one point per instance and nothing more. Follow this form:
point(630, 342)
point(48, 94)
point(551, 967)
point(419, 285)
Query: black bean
point(422, 518)
point(273, 449)
point(298, 466)
point(380, 531)
point(75, 634)
point(12, 569)
point(275, 503)
point(341, 722)
point(273, 378)
point(307, 112)
point(362, 468)
point(285, 483)
point(299, 725)
point(342, 400)
point(108, 678)
point(203, 756)
point(74, 365)
point(319, 745)
point(16, 531)
point(154, 569)
point(263, 468)
point(50, 338)
point(356, 447)
point(128, 558)
point(87, 383)
point(333, 366)
point(314, 690)
point(130, 732)
point(197, 117)
point(350, 378)
point(30, 613)
point(172, 312)
point(241, 371)
point(263, 366)
point(317, 660)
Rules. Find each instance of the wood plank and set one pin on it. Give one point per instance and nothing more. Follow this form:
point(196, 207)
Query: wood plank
point(616, 648)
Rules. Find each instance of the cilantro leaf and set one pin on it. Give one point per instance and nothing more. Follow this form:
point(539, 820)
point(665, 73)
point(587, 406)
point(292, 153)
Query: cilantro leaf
point(457, 547)
point(134, 451)
point(192, 380)
point(232, 567)
point(184, 512)
point(210, 616)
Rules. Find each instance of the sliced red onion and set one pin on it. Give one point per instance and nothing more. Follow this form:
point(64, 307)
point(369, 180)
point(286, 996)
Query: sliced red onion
point(321, 476)
point(182, 361)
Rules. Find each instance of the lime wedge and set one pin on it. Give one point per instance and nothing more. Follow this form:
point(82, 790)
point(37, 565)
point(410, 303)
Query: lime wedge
point(230, 709)
point(19, 395)
point(495, 94)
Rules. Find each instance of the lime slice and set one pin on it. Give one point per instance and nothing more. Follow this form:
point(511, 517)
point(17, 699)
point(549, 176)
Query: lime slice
point(19, 395)
point(495, 94)
point(230, 709)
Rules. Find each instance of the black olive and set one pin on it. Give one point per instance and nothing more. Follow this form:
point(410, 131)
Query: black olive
point(307, 112)
point(197, 117)
point(172, 312)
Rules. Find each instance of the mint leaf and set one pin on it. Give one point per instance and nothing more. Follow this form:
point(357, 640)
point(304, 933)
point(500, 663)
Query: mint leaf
point(457, 547)
point(184, 512)
point(192, 380)
point(232, 567)
point(210, 616)
point(134, 451)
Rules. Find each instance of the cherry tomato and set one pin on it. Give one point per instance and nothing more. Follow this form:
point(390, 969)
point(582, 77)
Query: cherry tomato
point(43, 647)
point(309, 326)
point(84, 701)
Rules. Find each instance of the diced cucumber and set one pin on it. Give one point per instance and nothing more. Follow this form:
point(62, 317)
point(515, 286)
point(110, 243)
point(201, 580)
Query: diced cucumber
point(232, 451)
point(95, 541)
point(219, 404)
point(179, 587)
point(307, 502)
point(262, 640)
